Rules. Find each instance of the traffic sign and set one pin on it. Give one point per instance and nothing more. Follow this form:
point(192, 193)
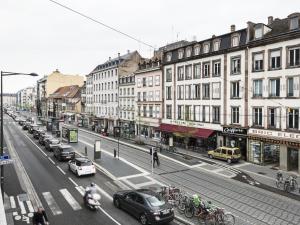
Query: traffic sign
point(6, 161)
point(4, 157)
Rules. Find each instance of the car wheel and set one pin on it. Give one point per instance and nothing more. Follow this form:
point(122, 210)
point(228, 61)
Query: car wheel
point(229, 161)
point(117, 203)
point(211, 156)
point(143, 219)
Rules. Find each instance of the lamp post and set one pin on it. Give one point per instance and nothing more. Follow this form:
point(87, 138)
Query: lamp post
point(4, 74)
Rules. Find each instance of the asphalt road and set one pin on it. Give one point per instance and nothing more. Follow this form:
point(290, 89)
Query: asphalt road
point(251, 205)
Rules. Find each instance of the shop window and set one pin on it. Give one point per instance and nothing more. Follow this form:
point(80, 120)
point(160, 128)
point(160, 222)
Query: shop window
point(255, 152)
point(271, 153)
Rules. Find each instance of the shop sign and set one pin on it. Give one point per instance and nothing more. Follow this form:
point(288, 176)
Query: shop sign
point(276, 141)
point(234, 130)
point(276, 134)
point(186, 123)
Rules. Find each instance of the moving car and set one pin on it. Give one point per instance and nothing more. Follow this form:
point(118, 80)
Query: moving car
point(145, 205)
point(51, 144)
point(82, 166)
point(226, 153)
point(64, 152)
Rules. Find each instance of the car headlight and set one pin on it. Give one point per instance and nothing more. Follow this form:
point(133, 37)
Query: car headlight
point(156, 213)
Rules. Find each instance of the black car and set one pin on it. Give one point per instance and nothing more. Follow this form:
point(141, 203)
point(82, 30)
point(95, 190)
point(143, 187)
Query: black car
point(32, 127)
point(26, 125)
point(44, 137)
point(38, 133)
point(51, 144)
point(145, 205)
point(64, 152)
point(22, 122)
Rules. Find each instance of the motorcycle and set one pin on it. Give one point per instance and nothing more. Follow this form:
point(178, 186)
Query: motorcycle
point(91, 200)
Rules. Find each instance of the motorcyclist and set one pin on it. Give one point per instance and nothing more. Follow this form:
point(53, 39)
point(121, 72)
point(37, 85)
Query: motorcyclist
point(92, 188)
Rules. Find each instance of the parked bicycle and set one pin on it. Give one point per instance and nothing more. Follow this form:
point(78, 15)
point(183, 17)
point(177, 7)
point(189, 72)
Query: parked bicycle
point(290, 184)
point(279, 180)
point(171, 194)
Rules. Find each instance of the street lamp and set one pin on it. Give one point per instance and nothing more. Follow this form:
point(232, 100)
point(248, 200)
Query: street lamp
point(3, 74)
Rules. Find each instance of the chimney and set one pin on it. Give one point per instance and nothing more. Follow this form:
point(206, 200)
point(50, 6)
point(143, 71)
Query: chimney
point(119, 54)
point(128, 51)
point(270, 20)
point(109, 58)
point(232, 28)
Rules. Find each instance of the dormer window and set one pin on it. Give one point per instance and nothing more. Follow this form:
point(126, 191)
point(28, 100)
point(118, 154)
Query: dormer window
point(234, 41)
point(180, 54)
point(197, 50)
point(188, 52)
point(169, 56)
point(206, 48)
point(258, 32)
point(216, 45)
point(294, 23)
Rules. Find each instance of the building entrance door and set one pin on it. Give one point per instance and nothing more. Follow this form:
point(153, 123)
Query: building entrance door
point(293, 159)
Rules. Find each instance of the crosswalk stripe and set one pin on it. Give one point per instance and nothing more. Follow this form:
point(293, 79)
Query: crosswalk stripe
point(52, 203)
point(80, 189)
point(70, 199)
point(22, 207)
point(12, 202)
point(30, 207)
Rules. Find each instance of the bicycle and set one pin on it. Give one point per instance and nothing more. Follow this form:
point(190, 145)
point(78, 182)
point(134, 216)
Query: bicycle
point(279, 180)
point(224, 218)
point(290, 184)
point(171, 194)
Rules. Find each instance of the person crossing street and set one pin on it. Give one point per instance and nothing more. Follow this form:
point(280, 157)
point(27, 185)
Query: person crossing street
point(155, 158)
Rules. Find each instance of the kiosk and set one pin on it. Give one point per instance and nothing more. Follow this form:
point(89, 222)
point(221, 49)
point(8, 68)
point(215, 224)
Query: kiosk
point(70, 134)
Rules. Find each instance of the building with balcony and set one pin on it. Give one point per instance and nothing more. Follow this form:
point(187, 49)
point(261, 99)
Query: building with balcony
point(9, 100)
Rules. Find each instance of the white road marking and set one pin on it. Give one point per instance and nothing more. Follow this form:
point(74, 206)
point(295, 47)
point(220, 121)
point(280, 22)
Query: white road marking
point(109, 216)
point(70, 199)
point(132, 176)
point(12, 202)
point(80, 189)
point(61, 170)
point(52, 203)
point(22, 207)
point(104, 193)
point(121, 185)
point(35, 145)
point(30, 207)
point(51, 160)
point(145, 183)
point(111, 186)
point(73, 181)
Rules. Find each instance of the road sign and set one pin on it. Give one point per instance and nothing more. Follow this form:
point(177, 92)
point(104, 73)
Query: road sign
point(6, 161)
point(4, 157)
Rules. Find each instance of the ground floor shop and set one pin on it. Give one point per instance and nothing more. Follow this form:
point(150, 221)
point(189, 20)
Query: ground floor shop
point(127, 128)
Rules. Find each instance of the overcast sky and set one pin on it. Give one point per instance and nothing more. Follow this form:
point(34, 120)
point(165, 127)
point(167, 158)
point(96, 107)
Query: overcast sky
point(39, 36)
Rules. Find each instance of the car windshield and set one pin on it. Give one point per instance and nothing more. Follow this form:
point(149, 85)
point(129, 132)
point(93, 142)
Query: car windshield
point(54, 141)
point(67, 149)
point(155, 201)
point(86, 163)
point(236, 152)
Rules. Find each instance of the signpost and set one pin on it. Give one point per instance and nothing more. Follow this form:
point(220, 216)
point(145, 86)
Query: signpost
point(97, 149)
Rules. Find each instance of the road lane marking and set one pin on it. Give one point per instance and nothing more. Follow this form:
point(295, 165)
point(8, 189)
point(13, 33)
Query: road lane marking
point(12, 202)
point(132, 176)
point(52, 203)
point(109, 216)
point(30, 207)
point(111, 186)
point(73, 181)
point(35, 144)
point(104, 193)
point(80, 189)
point(22, 207)
point(151, 182)
point(61, 170)
point(51, 160)
point(70, 199)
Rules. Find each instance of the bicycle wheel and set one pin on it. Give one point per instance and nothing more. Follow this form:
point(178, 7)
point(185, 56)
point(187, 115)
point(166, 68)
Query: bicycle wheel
point(189, 211)
point(210, 220)
point(229, 219)
point(181, 205)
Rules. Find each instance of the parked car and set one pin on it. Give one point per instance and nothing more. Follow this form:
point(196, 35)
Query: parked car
point(38, 133)
point(82, 166)
point(145, 205)
point(26, 125)
point(51, 144)
point(226, 153)
point(32, 127)
point(44, 137)
point(64, 152)
point(22, 122)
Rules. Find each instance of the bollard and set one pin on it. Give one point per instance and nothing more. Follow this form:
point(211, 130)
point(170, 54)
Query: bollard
point(85, 151)
point(115, 153)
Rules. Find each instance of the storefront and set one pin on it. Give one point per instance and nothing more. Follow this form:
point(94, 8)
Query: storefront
point(235, 137)
point(127, 128)
point(274, 147)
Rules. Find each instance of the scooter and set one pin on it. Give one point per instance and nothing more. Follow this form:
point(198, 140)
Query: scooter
point(92, 201)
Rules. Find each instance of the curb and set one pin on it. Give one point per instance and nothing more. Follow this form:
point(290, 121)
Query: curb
point(183, 221)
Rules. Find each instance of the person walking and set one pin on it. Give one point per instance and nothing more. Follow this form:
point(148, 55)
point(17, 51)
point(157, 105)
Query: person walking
point(40, 217)
point(155, 158)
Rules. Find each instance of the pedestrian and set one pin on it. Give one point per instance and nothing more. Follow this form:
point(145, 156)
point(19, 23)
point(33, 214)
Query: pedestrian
point(155, 158)
point(40, 217)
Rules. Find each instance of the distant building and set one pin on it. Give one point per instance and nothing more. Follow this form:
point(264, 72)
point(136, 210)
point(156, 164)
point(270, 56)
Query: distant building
point(26, 99)
point(9, 100)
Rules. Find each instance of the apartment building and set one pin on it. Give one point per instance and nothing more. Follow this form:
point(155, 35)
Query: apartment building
point(9, 100)
point(26, 99)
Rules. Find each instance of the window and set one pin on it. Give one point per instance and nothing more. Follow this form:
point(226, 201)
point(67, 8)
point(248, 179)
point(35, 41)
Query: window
point(188, 72)
point(180, 75)
point(294, 57)
point(258, 32)
point(275, 59)
point(121, 90)
point(235, 115)
point(206, 48)
point(157, 95)
point(150, 111)
point(293, 118)
point(168, 75)
point(150, 97)
point(188, 112)
point(274, 118)
point(168, 93)
point(197, 91)
point(132, 91)
point(216, 90)
point(144, 96)
point(169, 112)
point(139, 83)
point(206, 69)
point(258, 64)
point(145, 111)
point(197, 112)
point(139, 96)
point(180, 94)
point(157, 111)
point(197, 50)
point(290, 87)
point(188, 91)
point(274, 88)
point(216, 114)
point(236, 65)
point(257, 88)
point(235, 89)
point(257, 116)
point(216, 45)
point(188, 52)
point(206, 91)
point(294, 23)
point(235, 41)
point(144, 82)
point(180, 54)
point(197, 69)
point(169, 56)
point(157, 80)
point(150, 81)
point(180, 112)
point(205, 113)
point(216, 68)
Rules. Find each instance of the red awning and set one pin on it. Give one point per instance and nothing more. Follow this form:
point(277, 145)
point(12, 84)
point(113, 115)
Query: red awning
point(194, 132)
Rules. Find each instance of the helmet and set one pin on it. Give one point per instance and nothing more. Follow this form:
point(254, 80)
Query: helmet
point(92, 184)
